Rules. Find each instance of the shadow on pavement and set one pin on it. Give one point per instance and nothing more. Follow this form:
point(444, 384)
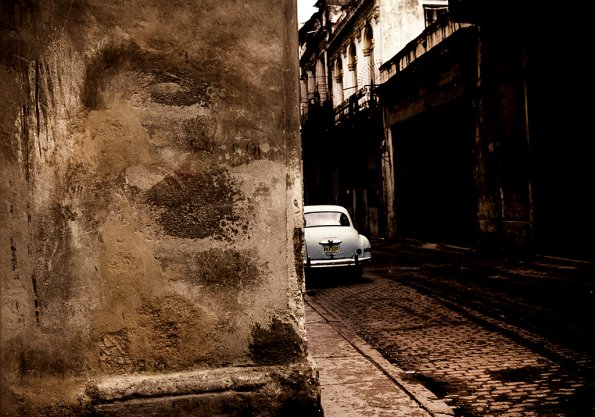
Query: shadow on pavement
point(333, 278)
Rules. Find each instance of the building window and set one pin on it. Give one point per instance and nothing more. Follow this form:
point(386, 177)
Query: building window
point(338, 75)
point(434, 12)
point(369, 54)
point(352, 67)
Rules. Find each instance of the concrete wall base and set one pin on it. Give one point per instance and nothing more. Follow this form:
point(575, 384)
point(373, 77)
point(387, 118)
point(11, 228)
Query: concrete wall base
point(271, 391)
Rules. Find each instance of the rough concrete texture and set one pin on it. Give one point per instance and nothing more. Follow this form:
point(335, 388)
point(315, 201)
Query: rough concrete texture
point(151, 205)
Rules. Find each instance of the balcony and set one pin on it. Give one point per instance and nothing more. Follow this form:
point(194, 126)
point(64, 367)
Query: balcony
point(430, 37)
point(363, 99)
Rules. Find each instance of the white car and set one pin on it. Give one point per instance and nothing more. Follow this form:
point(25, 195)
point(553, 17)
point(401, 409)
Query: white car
point(332, 241)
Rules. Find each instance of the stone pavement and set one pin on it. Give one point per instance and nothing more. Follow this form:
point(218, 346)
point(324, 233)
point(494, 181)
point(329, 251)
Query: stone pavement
point(478, 364)
point(356, 380)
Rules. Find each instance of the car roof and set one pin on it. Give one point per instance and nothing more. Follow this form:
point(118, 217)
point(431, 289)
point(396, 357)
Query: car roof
point(324, 207)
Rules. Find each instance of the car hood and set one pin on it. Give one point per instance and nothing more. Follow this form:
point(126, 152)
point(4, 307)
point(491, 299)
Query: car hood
point(349, 241)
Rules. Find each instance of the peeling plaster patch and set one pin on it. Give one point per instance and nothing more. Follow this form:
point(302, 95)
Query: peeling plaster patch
point(181, 130)
point(142, 177)
point(262, 191)
point(224, 282)
point(279, 344)
point(89, 196)
point(175, 81)
point(163, 91)
point(225, 269)
point(174, 334)
point(198, 205)
point(113, 352)
point(200, 132)
point(222, 275)
point(121, 141)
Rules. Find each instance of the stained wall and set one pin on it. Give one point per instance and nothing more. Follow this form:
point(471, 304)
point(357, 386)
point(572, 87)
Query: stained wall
point(151, 208)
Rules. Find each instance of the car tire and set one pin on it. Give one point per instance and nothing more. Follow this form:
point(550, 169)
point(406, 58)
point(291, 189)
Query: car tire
point(358, 273)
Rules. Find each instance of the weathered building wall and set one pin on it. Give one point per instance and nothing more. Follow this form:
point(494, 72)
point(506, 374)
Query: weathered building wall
point(460, 144)
point(484, 126)
point(504, 209)
point(401, 22)
point(430, 123)
point(526, 160)
point(151, 210)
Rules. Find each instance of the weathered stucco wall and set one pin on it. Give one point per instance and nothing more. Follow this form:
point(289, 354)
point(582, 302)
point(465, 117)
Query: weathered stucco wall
point(151, 209)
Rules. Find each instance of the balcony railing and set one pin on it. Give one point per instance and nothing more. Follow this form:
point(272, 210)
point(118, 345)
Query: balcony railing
point(364, 98)
point(430, 37)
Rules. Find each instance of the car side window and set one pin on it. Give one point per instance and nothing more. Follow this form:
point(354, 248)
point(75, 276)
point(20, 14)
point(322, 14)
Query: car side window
point(344, 220)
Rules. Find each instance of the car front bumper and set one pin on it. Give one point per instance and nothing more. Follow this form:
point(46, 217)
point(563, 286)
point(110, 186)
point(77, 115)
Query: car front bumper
point(330, 263)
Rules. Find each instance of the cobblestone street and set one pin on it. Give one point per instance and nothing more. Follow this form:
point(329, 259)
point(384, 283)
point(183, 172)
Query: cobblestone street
point(475, 357)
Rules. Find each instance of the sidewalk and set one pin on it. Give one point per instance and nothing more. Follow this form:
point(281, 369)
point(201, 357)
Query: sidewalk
point(355, 380)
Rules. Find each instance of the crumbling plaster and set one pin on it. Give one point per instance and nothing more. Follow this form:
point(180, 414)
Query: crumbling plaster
point(151, 192)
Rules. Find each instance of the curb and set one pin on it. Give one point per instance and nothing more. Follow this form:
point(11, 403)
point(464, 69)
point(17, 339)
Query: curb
point(420, 394)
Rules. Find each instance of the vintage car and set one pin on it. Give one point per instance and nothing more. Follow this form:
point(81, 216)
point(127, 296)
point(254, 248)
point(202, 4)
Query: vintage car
point(332, 241)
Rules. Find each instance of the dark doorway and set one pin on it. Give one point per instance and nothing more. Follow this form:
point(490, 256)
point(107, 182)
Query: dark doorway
point(563, 173)
point(435, 198)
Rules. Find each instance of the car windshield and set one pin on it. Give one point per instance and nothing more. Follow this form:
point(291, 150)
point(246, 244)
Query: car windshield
point(326, 218)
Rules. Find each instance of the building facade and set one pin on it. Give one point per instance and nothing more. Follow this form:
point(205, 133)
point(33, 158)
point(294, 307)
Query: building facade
point(341, 50)
point(478, 142)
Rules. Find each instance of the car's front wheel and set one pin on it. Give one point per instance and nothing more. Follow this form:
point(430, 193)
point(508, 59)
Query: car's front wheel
point(357, 272)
